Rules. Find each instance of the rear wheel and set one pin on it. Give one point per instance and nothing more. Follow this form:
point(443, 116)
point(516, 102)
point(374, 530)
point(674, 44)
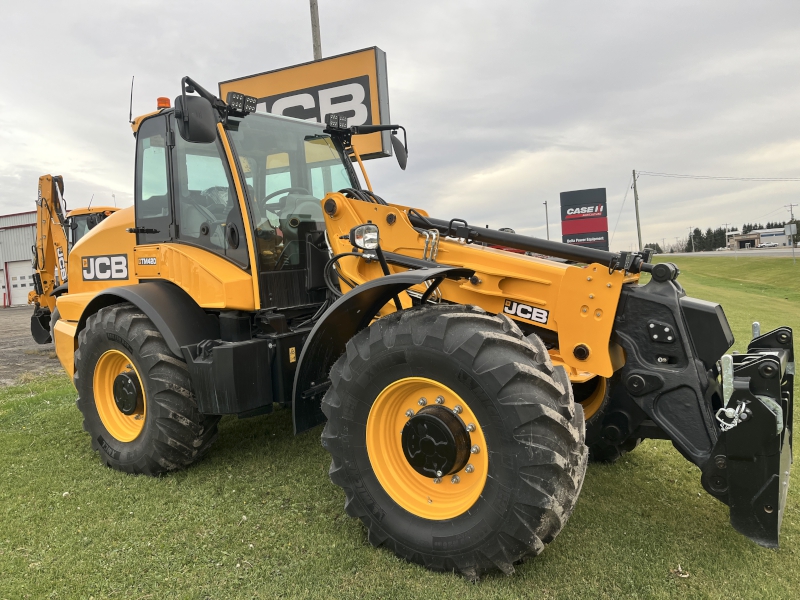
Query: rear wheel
point(136, 396)
point(456, 442)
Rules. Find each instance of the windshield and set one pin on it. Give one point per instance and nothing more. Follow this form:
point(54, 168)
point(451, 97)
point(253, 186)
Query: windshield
point(289, 166)
point(80, 226)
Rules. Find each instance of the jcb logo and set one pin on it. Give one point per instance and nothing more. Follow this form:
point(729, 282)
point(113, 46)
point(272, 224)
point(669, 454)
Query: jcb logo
point(350, 97)
point(523, 311)
point(97, 268)
point(62, 265)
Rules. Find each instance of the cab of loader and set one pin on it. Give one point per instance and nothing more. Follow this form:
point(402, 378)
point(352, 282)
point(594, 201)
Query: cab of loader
point(186, 193)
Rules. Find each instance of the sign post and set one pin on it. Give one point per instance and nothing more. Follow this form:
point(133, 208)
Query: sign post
point(791, 231)
point(354, 84)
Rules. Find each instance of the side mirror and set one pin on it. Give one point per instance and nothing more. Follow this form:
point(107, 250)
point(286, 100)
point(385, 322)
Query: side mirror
point(400, 148)
point(196, 120)
point(400, 152)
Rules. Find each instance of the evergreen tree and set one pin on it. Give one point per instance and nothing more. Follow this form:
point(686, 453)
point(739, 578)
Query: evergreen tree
point(655, 247)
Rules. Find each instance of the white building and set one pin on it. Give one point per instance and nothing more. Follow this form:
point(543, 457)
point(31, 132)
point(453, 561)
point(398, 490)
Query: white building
point(17, 235)
point(769, 236)
point(757, 237)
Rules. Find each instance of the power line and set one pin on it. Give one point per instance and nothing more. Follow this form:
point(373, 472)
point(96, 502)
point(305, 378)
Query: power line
point(679, 176)
point(627, 189)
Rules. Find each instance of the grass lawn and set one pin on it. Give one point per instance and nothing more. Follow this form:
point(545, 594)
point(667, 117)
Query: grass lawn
point(259, 518)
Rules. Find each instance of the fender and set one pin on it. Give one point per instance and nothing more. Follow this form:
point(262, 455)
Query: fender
point(346, 317)
point(175, 314)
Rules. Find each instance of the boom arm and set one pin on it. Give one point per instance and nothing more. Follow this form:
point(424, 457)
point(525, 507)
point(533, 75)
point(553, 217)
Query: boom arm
point(50, 249)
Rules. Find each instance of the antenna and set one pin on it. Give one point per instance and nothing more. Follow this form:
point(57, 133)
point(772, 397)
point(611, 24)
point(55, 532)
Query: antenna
point(90, 201)
point(130, 113)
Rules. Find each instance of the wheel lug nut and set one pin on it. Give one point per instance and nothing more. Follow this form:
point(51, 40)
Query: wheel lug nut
point(437, 480)
point(470, 427)
point(439, 399)
point(457, 409)
point(455, 479)
point(422, 401)
point(469, 469)
point(438, 473)
point(475, 449)
point(409, 413)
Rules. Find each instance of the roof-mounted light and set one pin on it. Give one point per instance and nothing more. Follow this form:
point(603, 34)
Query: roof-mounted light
point(163, 102)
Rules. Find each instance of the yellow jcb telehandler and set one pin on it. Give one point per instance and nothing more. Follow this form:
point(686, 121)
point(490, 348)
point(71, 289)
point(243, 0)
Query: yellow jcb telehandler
point(464, 387)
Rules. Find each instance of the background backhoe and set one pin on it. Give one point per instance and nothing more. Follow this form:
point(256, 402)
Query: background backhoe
point(57, 230)
point(464, 386)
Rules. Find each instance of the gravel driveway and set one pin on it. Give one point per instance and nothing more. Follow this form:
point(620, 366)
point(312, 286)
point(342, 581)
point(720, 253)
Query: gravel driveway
point(20, 356)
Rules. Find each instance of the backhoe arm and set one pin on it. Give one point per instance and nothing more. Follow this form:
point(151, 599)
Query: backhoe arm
point(50, 252)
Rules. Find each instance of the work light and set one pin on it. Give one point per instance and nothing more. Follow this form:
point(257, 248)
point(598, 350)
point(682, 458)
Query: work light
point(364, 236)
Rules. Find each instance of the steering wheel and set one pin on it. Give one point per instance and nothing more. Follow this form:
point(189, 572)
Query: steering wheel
point(288, 190)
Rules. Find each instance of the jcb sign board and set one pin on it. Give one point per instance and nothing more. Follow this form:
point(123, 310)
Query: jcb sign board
point(583, 218)
point(352, 84)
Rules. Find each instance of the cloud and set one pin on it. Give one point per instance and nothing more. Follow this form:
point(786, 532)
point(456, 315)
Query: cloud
point(507, 104)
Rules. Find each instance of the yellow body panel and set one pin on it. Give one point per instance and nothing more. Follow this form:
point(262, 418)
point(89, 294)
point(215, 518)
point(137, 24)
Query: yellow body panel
point(66, 341)
point(109, 238)
point(211, 280)
point(581, 301)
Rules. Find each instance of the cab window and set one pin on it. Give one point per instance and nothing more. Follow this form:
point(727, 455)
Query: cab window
point(207, 207)
point(289, 166)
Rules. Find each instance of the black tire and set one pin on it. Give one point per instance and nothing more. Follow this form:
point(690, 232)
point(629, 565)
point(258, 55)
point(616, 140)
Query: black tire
point(534, 435)
point(53, 321)
point(606, 452)
point(601, 449)
point(175, 434)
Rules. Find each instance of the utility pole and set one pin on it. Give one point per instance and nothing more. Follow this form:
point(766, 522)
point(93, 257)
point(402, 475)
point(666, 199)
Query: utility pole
point(636, 201)
point(663, 244)
point(726, 234)
point(315, 30)
point(547, 219)
point(691, 237)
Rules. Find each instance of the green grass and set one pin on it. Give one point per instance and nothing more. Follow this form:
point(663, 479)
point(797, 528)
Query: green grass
point(259, 518)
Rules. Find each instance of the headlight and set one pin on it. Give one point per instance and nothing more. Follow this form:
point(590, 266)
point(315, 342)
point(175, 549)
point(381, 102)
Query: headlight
point(364, 236)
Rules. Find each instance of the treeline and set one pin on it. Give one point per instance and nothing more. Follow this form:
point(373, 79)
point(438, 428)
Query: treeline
point(748, 227)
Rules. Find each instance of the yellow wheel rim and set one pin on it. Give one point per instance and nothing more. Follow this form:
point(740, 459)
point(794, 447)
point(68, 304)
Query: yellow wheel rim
point(416, 493)
point(595, 401)
point(124, 428)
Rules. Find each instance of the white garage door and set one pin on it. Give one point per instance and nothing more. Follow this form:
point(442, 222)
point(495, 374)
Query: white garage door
point(20, 276)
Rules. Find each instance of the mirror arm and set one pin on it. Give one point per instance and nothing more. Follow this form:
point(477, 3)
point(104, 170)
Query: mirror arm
point(203, 93)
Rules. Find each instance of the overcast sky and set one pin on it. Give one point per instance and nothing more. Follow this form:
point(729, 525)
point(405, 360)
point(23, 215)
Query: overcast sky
point(506, 103)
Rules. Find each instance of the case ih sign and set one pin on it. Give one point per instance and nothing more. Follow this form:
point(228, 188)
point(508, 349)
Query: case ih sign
point(583, 218)
point(353, 84)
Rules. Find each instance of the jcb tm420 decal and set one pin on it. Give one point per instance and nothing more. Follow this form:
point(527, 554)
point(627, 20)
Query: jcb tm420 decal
point(97, 268)
point(524, 311)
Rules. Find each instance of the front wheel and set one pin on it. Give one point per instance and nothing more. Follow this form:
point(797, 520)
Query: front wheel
point(456, 442)
point(136, 396)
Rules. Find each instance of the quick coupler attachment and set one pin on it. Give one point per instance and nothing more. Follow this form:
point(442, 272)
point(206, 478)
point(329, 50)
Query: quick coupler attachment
point(750, 462)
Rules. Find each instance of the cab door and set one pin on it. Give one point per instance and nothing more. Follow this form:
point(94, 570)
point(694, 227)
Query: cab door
point(184, 193)
point(152, 196)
